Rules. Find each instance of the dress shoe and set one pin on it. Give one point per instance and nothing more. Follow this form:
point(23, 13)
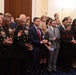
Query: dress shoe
point(54, 70)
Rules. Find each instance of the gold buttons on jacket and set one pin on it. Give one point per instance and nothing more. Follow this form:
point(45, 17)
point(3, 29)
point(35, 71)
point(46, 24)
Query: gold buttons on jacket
point(17, 38)
point(20, 28)
point(24, 36)
point(1, 39)
point(4, 48)
point(25, 40)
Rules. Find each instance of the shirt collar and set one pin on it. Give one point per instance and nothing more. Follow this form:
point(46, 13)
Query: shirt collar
point(48, 26)
point(63, 26)
point(36, 26)
point(52, 28)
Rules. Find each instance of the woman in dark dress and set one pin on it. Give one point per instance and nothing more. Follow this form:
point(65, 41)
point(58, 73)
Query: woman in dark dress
point(67, 39)
point(74, 46)
point(43, 51)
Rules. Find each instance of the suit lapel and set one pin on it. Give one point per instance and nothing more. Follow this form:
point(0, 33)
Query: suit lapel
point(51, 31)
point(35, 31)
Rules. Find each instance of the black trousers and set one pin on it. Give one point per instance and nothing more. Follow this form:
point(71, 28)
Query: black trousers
point(20, 66)
point(34, 63)
point(7, 66)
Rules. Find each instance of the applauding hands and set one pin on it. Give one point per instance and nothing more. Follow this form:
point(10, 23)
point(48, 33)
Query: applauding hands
point(8, 41)
point(29, 46)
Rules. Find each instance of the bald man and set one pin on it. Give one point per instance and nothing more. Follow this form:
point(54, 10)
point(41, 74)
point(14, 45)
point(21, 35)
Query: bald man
point(23, 16)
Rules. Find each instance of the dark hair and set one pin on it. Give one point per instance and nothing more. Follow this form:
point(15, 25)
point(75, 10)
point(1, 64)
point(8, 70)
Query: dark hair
point(35, 18)
point(52, 21)
point(5, 18)
point(1, 13)
point(65, 19)
point(73, 24)
point(49, 19)
point(55, 14)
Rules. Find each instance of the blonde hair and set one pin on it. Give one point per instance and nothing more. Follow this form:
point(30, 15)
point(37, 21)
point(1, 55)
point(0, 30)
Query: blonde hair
point(43, 27)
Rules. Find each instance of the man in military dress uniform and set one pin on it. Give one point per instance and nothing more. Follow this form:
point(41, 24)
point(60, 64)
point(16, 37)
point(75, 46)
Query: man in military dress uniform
point(6, 46)
point(21, 46)
point(1, 44)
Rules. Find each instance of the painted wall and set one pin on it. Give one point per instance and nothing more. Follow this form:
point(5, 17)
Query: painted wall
point(2, 6)
point(39, 7)
point(46, 7)
point(53, 8)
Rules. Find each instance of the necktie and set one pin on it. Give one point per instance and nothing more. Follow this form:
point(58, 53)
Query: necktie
point(54, 31)
point(39, 33)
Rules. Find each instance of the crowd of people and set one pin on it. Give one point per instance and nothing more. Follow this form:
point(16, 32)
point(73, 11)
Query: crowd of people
point(31, 48)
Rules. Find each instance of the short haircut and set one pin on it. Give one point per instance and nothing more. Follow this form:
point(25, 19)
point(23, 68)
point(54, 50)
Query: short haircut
point(8, 15)
point(35, 18)
point(52, 21)
point(55, 14)
point(73, 23)
point(65, 19)
point(1, 13)
point(49, 19)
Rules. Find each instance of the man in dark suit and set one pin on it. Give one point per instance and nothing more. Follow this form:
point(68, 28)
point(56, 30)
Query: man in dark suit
point(64, 23)
point(35, 37)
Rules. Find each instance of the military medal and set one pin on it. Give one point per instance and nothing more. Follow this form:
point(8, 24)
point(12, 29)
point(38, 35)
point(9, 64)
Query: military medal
point(3, 34)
